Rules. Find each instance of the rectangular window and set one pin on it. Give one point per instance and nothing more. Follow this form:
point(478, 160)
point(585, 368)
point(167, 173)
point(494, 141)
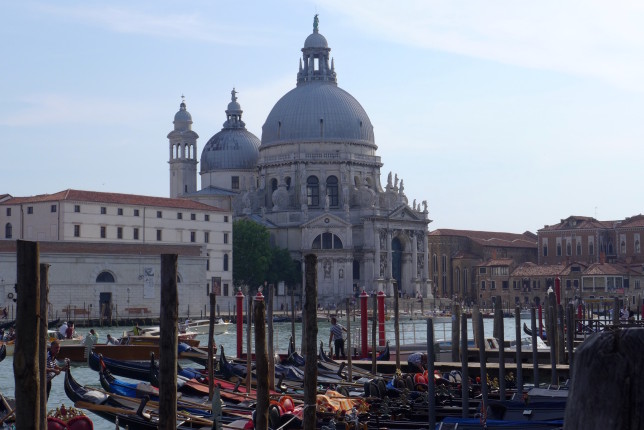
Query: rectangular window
point(482, 270)
point(53, 208)
point(136, 212)
point(179, 215)
point(103, 210)
point(8, 211)
point(636, 243)
point(544, 246)
point(135, 233)
point(505, 285)
point(76, 230)
point(225, 237)
point(225, 218)
point(578, 246)
point(30, 209)
point(206, 237)
point(206, 217)
point(103, 232)
point(225, 289)
point(493, 285)
point(193, 217)
point(77, 208)
point(119, 211)
point(159, 235)
point(119, 232)
point(193, 236)
point(159, 214)
point(482, 285)
point(234, 182)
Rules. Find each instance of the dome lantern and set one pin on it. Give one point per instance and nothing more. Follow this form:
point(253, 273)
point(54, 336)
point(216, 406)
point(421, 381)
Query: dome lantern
point(314, 65)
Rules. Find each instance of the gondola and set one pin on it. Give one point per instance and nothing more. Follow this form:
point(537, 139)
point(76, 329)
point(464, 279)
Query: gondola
point(7, 409)
point(527, 331)
point(450, 423)
point(139, 370)
point(132, 414)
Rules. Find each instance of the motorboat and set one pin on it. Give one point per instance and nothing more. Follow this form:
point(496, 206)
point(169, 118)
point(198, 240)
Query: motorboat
point(202, 326)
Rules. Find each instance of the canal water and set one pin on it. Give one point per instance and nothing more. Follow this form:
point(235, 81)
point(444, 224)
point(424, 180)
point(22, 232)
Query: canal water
point(411, 331)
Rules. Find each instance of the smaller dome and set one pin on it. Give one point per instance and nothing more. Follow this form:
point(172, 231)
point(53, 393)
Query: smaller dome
point(316, 40)
point(182, 115)
point(233, 147)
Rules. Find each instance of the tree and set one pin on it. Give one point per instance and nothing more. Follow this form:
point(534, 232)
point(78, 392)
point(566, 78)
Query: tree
point(251, 253)
point(283, 268)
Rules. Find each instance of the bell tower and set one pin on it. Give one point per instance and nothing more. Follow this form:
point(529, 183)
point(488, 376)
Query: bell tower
point(183, 154)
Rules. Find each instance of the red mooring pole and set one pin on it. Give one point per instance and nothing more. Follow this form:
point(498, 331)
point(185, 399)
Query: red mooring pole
point(240, 323)
point(381, 318)
point(363, 322)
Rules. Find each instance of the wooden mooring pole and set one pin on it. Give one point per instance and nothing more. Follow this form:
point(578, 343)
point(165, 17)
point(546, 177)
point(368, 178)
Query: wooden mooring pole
point(42, 345)
point(169, 315)
point(269, 322)
point(517, 333)
point(607, 382)
point(464, 368)
point(309, 317)
point(211, 341)
point(431, 387)
point(261, 363)
point(26, 371)
point(374, 329)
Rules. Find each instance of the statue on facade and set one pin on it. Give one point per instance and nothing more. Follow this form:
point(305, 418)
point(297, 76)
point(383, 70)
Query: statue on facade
point(326, 202)
point(389, 180)
point(402, 187)
point(327, 269)
point(414, 205)
point(396, 181)
point(424, 205)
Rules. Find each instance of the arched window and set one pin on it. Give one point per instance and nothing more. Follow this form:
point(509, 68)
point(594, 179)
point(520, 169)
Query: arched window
point(622, 245)
point(327, 241)
point(225, 262)
point(273, 184)
point(332, 190)
point(8, 231)
point(312, 191)
point(637, 246)
point(288, 182)
point(105, 277)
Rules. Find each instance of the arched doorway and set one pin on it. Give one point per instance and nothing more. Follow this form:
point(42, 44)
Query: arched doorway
point(396, 262)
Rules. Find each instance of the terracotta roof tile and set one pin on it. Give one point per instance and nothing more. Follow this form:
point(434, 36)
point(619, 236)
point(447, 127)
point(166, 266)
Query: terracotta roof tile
point(605, 269)
point(634, 221)
point(491, 238)
point(575, 222)
point(112, 198)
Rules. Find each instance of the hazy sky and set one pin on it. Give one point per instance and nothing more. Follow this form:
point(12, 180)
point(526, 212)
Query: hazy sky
point(503, 115)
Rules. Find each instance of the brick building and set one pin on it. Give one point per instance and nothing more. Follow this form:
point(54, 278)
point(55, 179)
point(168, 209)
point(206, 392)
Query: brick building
point(461, 259)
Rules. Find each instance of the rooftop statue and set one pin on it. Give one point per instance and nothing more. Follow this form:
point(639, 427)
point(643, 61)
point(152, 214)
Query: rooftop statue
point(315, 23)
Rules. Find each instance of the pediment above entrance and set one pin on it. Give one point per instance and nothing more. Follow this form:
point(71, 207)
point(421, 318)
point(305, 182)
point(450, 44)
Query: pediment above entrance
point(326, 221)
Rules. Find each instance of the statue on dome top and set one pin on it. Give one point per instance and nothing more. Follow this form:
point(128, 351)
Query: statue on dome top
point(315, 23)
point(234, 95)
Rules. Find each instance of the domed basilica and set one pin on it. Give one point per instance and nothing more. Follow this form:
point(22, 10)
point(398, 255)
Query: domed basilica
point(314, 181)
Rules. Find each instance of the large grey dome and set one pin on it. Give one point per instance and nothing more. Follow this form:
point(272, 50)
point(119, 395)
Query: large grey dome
point(317, 110)
point(314, 112)
point(233, 147)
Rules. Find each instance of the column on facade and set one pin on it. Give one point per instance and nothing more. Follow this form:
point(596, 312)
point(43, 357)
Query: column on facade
point(414, 257)
point(389, 260)
point(377, 256)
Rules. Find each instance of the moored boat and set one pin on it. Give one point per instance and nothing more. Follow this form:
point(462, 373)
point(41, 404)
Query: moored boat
point(202, 326)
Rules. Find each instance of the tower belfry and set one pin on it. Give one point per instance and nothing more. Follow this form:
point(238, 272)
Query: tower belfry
point(183, 154)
